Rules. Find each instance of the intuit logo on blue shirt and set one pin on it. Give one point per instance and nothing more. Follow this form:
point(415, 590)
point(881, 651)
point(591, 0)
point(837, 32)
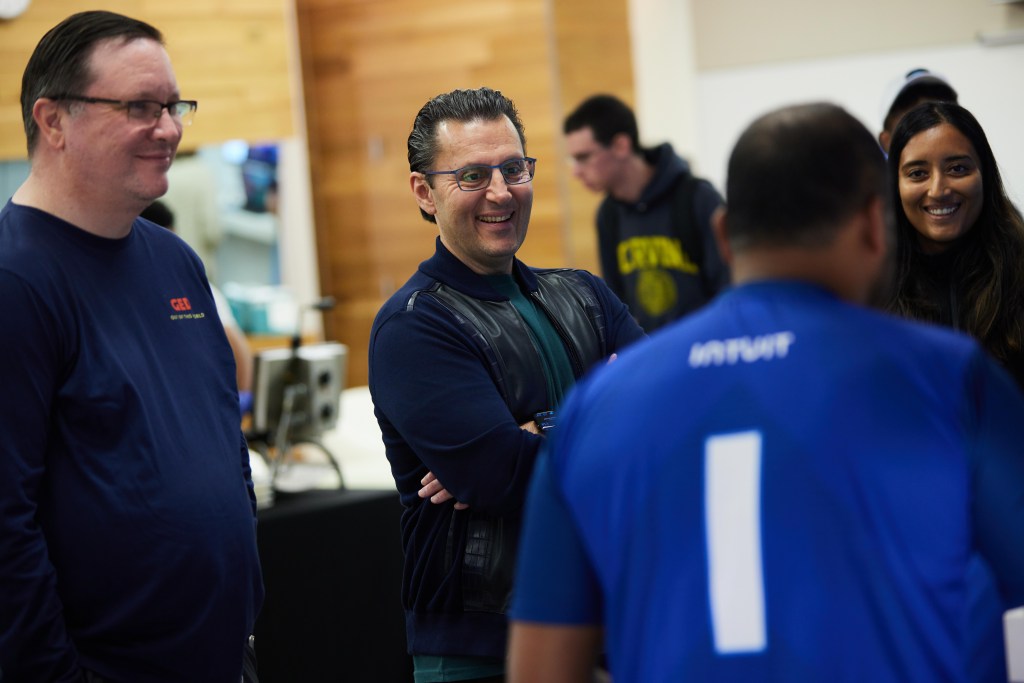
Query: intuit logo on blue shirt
point(746, 349)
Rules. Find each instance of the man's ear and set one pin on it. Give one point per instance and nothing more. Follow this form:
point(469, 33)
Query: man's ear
point(874, 232)
point(621, 145)
point(718, 226)
point(50, 118)
point(884, 138)
point(423, 192)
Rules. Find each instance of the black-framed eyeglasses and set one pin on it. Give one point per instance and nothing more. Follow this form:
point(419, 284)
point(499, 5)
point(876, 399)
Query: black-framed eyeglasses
point(478, 176)
point(144, 111)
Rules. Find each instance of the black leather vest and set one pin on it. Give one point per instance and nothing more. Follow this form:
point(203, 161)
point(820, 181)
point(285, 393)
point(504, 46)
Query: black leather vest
point(487, 544)
point(505, 340)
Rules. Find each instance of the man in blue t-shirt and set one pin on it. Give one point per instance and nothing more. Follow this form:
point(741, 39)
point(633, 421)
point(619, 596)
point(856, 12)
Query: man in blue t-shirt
point(787, 486)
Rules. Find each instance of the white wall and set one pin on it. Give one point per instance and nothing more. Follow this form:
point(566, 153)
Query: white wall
point(703, 112)
point(299, 262)
point(664, 72)
point(987, 80)
point(297, 235)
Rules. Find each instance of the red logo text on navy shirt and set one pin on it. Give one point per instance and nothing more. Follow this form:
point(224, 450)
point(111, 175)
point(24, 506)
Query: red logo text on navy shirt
point(182, 308)
point(181, 304)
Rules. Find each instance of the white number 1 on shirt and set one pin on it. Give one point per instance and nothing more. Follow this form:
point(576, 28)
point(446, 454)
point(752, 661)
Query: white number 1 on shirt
point(732, 517)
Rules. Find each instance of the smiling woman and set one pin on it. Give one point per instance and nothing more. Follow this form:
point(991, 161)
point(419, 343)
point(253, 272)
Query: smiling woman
point(940, 186)
point(960, 240)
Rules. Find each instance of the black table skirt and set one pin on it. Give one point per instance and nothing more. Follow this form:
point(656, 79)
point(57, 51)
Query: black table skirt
point(332, 566)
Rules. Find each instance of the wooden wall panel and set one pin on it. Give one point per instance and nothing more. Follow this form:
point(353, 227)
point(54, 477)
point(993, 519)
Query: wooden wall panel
point(593, 57)
point(369, 66)
point(230, 55)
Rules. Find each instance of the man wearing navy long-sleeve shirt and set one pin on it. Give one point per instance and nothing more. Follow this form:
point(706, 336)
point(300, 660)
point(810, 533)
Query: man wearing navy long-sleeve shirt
point(463, 358)
point(127, 515)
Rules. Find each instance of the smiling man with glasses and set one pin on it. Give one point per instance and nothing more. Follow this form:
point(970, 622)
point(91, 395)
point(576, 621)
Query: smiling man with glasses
point(467, 362)
point(127, 515)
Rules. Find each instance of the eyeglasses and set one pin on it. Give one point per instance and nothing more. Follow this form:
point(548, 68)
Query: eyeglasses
point(478, 177)
point(144, 111)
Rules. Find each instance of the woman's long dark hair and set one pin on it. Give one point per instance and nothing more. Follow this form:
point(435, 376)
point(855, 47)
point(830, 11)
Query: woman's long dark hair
point(987, 266)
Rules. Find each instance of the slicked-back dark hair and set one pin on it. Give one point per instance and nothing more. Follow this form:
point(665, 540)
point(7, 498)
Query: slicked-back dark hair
point(482, 104)
point(987, 271)
point(60, 63)
point(606, 116)
point(798, 173)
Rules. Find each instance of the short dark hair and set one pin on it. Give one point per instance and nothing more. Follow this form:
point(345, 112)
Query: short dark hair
point(458, 105)
point(797, 173)
point(59, 65)
point(606, 116)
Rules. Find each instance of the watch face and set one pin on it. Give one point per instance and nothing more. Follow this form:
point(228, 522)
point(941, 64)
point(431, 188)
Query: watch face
point(12, 8)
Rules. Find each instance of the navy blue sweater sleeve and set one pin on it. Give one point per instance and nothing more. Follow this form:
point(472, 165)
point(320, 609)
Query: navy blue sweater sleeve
point(439, 410)
point(30, 611)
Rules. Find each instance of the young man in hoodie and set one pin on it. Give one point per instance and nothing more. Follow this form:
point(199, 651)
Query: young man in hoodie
point(654, 226)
